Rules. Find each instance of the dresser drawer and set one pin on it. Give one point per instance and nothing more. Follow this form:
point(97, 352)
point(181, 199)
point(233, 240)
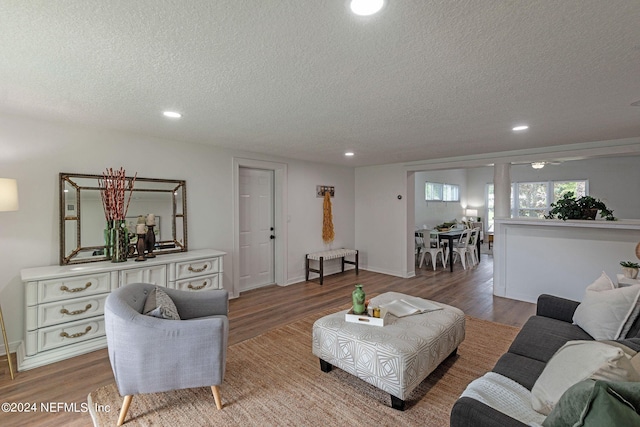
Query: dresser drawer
point(58, 312)
point(197, 268)
point(203, 283)
point(156, 275)
point(73, 287)
point(70, 333)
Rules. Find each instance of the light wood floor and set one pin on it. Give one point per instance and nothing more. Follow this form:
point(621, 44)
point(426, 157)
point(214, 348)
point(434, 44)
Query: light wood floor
point(250, 315)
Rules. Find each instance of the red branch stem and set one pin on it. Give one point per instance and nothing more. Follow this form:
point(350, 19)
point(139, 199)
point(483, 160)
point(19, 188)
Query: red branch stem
point(113, 188)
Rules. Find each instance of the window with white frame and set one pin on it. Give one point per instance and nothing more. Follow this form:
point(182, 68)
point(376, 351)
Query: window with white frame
point(438, 192)
point(433, 192)
point(451, 192)
point(533, 199)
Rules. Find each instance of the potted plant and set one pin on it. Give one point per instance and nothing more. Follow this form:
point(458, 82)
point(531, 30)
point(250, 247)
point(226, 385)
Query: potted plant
point(585, 207)
point(630, 269)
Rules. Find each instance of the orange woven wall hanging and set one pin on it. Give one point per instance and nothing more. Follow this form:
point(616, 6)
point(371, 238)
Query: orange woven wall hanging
point(327, 220)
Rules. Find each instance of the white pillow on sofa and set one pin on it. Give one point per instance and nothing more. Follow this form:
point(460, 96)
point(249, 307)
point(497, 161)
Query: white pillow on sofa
point(605, 309)
point(602, 283)
point(577, 361)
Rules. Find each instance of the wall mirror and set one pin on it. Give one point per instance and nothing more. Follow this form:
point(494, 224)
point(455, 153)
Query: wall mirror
point(83, 223)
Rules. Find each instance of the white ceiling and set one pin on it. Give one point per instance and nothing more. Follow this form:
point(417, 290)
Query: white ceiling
point(306, 79)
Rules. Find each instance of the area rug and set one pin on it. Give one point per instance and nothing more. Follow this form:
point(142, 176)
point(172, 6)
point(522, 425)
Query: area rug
point(274, 380)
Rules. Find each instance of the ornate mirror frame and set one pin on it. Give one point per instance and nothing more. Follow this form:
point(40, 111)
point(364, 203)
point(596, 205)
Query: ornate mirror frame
point(82, 219)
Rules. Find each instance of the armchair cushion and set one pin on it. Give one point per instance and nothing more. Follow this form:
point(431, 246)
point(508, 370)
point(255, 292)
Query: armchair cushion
point(160, 305)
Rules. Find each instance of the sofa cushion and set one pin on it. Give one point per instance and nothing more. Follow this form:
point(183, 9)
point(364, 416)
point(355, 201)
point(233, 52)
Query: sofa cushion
point(521, 369)
point(605, 310)
point(597, 403)
point(575, 362)
point(602, 283)
point(541, 337)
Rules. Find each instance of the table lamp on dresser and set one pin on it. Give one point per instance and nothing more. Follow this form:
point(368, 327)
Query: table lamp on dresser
point(8, 202)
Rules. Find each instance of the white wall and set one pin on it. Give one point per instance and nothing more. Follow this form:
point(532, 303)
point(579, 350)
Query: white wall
point(381, 218)
point(534, 257)
point(305, 212)
point(434, 213)
point(35, 152)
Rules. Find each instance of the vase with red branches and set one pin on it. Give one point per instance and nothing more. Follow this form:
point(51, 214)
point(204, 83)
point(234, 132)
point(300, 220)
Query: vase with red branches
point(114, 186)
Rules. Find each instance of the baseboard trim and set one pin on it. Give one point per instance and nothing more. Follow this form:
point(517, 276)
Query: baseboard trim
point(388, 272)
point(13, 348)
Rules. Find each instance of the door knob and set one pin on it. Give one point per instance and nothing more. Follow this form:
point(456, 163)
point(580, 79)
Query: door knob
point(272, 237)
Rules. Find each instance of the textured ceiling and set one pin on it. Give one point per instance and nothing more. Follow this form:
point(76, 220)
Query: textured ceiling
point(423, 79)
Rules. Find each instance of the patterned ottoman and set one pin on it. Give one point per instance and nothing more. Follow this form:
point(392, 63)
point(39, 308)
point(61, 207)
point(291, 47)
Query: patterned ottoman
point(396, 357)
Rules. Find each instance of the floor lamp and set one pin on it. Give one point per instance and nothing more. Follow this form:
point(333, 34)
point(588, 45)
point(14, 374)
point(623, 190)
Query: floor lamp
point(8, 202)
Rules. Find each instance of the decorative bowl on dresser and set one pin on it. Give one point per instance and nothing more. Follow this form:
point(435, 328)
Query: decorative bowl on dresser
point(65, 304)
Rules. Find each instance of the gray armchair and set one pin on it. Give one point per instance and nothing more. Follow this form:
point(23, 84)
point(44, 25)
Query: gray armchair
point(152, 355)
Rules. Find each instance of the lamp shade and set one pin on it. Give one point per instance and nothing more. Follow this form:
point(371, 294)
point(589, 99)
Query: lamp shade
point(8, 195)
point(471, 212)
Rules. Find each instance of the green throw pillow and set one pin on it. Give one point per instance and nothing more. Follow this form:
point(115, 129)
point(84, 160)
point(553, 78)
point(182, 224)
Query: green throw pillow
point(591, 403)
point(159, 304)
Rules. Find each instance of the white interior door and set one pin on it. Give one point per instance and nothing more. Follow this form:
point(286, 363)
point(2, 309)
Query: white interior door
point(256, 228)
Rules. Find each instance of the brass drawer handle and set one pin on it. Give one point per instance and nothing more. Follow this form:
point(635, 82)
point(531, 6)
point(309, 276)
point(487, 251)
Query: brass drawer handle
point(75, 313)
point(78, 335)
point(198, 270)
point(197, 288)
point(65, 289)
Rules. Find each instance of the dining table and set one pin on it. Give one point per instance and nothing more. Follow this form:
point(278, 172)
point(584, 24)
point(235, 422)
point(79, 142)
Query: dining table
point(450, 236)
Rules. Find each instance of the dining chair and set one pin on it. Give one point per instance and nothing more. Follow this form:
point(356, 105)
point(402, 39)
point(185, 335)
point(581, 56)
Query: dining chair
point(472, 247)
point(434, 241)
point(420, 245)
point(433, 250)
point(460, 248)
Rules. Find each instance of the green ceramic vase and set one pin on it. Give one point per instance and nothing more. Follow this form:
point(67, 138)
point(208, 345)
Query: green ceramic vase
point(358, 300)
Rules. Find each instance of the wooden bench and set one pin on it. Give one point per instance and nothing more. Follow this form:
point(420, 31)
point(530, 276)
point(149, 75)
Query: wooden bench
point(331, 254)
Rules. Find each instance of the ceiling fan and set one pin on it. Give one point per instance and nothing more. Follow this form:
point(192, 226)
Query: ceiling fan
point(539, 164)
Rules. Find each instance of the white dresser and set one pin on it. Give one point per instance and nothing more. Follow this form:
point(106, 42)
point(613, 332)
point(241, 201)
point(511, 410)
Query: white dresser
point(65, 304)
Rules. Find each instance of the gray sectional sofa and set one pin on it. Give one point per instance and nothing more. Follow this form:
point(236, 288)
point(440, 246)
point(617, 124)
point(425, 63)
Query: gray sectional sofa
point(539, 339)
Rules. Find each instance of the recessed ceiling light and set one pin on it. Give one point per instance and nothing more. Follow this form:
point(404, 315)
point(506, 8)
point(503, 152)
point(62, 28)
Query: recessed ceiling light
point(366, 7)
point(523, 127)
point(172, 114)
point(349, 153)
point(538, 165)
